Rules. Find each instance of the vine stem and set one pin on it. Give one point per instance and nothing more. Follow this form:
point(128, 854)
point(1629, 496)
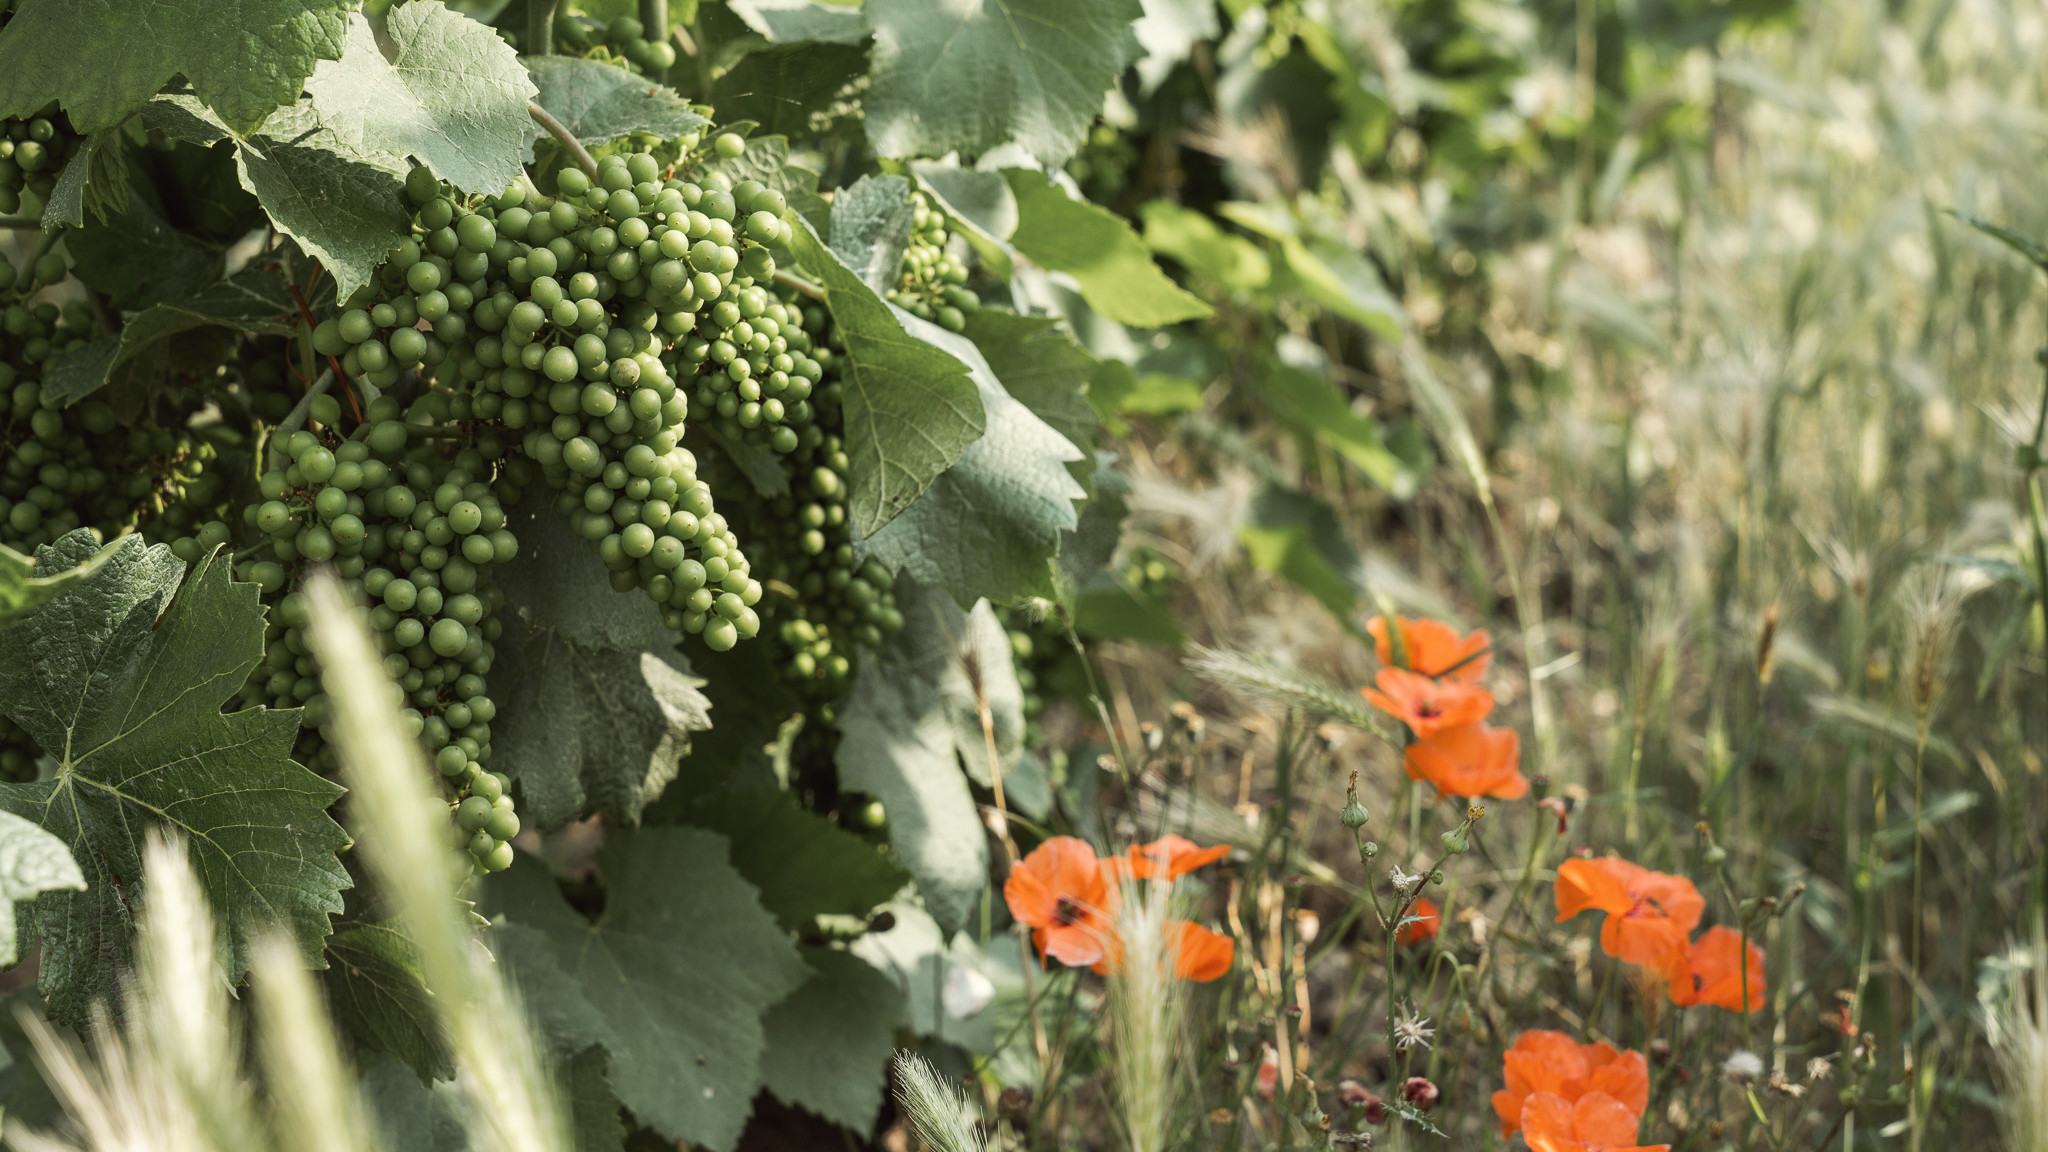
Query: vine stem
point(564, 137)
point(653, 18)
point(540, 27)
point(297, 416)
point(20, 224)
point(792, 280)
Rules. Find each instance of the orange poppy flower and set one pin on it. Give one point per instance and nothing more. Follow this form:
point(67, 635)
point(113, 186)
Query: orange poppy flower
point(1062, 893)
point(1710, 972)
point(1199, 954)
point(1429, 918)
point(1434, 648)
point(1649, 914)
point(1175, 855)
point(1428, 706)
point(1543, 1061)
point(1472, 760)
point(1595, 1122)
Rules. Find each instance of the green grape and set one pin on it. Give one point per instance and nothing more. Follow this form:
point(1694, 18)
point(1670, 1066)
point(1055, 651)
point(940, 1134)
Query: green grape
point(932, 279)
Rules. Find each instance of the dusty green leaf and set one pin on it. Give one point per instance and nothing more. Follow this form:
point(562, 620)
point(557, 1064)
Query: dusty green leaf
point(1041, 367)
point(987, 525)
point(408, 1114)
point(453, 96)
point(596, 704)
point(121, 678)
point(792, 21)
point(829, 1043)
point(1297, 536)
point(31, 862)
point(95, 181)
point(595, 1113)
point(22, 587)
point(348, 212)
point(597, 102)
point(672, 978)
point(950, 77)
point(801, 88)
point(74, 375)
point(911, 409)
point(1102, 254)
point(103, 59)
point(138, 258)
point(1192, 238)
point(871, 228)
point(901, 743)
point(804, 865)
point(1169, 32)
point(380, 999)
point(1345, 283)
point(941, 974)
point(1310, 405)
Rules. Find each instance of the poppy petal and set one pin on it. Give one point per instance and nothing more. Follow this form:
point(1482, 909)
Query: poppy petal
point(1199, 954)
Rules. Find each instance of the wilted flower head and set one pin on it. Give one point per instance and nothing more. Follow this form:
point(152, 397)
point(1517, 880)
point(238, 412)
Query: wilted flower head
point(1411, 1030)
point(1405, 883)
point(1743, 1066)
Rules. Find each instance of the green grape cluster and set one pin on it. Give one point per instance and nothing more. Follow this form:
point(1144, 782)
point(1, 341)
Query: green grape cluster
point(63, 468)
point(803, 536)
point(417, 533)
point(32, 151)
point(624, 40)
point(932, 283)
point(548, 317)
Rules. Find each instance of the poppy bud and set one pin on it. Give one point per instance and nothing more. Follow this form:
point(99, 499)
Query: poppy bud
point(1417, 1090)
point(1437, 877)
point(1456, 841)
point(1355, 815)
point(1352, 1094)
point(1715, 854)
point(1459, 1019)
point(1369, 849)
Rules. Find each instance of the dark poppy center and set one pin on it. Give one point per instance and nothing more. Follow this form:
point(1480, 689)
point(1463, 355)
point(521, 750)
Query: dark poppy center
point(1067, 911)
point(1428, 710)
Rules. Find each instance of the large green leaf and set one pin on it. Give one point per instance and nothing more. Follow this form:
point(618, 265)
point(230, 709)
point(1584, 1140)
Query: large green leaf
point(829, 1043)
point(794, 21)
point(1099, 250)
point(255, 301)
point(32, 862)
point(1297, 536)
point(1041, 367)
point(672, 978)
point(801, 89)
point(598, 102)
point(22, 588)
point(988, 525)
point(950, 77)
point(871, 228)
point(596, 703)
point(96, 183)
point(408, 1114)
point(903, 734)
point(804, 865)
point(1193, 238)
point(453, 96)
point(121, 678)
point(346, 210)
point(380, 998)
point(103, 59)
point(138, 258)
point(911, 410)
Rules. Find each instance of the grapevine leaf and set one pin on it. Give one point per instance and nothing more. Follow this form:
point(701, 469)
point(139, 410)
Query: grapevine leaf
point(31, 862)
point(930, 966)
point(346, 211)
point(74, 375)
point(791, 21)
point(988, 524)
point(1102, 254)
point(1041, 367)
point(102, 60)
point(952, 77)
point(22, 587)
point(829, 1043)
point(672, 977)
point(797, 88)
point(597, 102)
point(597, 705)
point(1193, 238)
point(255, 301)
point(1168, 32)
point(380, 998)
point(138, 258)
point(2033, 250)
point(453, 95)
point(871, 228)
point(121, 678)
point(804, 865)
point(95, 181)
point(593, 1106)
point(409, 1114)
point(1345, 283)
point(900, 744)
point(911, 410)
point(1087, 550)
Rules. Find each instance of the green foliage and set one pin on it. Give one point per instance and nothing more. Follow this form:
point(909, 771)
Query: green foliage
point(1100, 251)
point(597, 102)
point(31, 862)
point(378, 993)
point(1297, 536)
point(452, 95)
point(672, 978)
point(121, 677)
point(988, 523)
point(911, 409)
point(948, 78)
point(104, 60)
point(803, 865)
point(829, 1043)
point(22, 587)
